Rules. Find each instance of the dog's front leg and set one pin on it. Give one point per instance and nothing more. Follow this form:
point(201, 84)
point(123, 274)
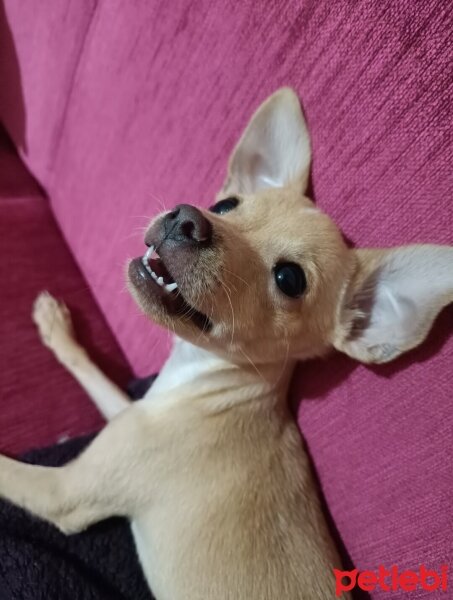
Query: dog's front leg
point(56, 331)
point(96, 485)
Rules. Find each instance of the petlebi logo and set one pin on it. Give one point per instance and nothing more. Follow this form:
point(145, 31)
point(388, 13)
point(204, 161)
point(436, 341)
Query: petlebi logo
point(392, 579)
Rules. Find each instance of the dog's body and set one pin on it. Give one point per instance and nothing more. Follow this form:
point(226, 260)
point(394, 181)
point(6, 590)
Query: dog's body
point(225, 530)
point(209, 466)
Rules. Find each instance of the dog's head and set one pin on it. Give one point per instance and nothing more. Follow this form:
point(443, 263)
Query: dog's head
point(264, 274)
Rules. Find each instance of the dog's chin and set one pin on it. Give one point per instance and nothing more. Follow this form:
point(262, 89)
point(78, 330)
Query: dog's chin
point(159, 296)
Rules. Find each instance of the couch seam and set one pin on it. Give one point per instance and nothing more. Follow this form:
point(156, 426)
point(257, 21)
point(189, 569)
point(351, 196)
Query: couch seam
point(61, 126)
point(55, 151)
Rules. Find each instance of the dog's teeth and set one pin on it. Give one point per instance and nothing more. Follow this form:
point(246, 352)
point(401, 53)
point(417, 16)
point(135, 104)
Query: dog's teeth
point(171, 286)
point(146, 265)
point(149, 253)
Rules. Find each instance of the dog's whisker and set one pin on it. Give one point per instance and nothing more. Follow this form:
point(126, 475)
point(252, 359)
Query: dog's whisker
point(223, 285)
point(237, 276)
point(138, 232)
point(159, 200)
point(252, 363)
point(285, 362)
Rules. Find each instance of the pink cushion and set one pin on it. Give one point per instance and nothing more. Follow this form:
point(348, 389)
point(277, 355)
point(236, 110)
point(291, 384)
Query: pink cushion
point(158, 98)
point(40, 402)
point(40, 51)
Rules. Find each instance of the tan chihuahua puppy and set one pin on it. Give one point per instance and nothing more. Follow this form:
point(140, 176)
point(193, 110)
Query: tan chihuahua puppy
point(209, 466)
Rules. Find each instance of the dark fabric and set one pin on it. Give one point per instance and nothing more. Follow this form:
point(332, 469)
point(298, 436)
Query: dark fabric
point(137, 387)
point(37, 562)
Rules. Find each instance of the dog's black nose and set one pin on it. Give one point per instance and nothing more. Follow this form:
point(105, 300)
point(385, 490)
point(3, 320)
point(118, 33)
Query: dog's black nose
point(187, 224)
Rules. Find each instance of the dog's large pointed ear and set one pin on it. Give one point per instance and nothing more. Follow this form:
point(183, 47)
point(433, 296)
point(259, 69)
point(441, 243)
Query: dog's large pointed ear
point(393, 300)
point(274, 149)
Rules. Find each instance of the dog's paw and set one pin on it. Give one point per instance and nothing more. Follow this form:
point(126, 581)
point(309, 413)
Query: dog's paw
point(54, 323)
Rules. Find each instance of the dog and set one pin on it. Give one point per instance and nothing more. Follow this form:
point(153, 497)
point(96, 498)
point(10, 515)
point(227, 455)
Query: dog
point(209, 466)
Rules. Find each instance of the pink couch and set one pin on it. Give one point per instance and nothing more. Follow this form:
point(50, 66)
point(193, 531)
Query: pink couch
point(120, 109)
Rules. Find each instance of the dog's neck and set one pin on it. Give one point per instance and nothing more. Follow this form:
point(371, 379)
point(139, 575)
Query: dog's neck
point(192, 372)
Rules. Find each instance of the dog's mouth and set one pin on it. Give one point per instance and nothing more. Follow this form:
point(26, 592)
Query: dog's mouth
point(156, 268)
point(160, 282)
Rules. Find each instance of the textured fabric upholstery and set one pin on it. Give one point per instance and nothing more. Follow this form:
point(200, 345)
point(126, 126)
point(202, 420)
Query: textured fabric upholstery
point(158, 93)
point(39, 50)
point(41, 403)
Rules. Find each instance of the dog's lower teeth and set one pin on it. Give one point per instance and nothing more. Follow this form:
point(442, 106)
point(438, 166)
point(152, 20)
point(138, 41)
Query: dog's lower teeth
point(168, 287)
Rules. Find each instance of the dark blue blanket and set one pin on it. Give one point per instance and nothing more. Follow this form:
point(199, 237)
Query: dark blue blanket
point(37, 562)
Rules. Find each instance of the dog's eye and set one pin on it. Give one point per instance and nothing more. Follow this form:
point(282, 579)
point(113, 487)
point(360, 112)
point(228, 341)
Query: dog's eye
point(290, 279)
point(224, 206)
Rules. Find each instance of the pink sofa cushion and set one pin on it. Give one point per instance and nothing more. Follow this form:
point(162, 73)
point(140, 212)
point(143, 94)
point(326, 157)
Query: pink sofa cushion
point(40, 50)
point(40, 402)
point(161, 93)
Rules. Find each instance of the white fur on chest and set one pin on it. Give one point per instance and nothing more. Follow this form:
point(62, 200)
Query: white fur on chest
point(186, 364)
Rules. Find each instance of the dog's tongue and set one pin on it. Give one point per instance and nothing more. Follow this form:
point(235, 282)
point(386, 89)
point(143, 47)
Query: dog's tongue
point(157, 266)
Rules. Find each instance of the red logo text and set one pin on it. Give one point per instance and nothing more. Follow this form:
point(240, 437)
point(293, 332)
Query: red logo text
point(392, 579)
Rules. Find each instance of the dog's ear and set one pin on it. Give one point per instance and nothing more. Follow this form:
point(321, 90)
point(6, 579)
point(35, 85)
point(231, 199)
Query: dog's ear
point(274, 149)
point(393, 300)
